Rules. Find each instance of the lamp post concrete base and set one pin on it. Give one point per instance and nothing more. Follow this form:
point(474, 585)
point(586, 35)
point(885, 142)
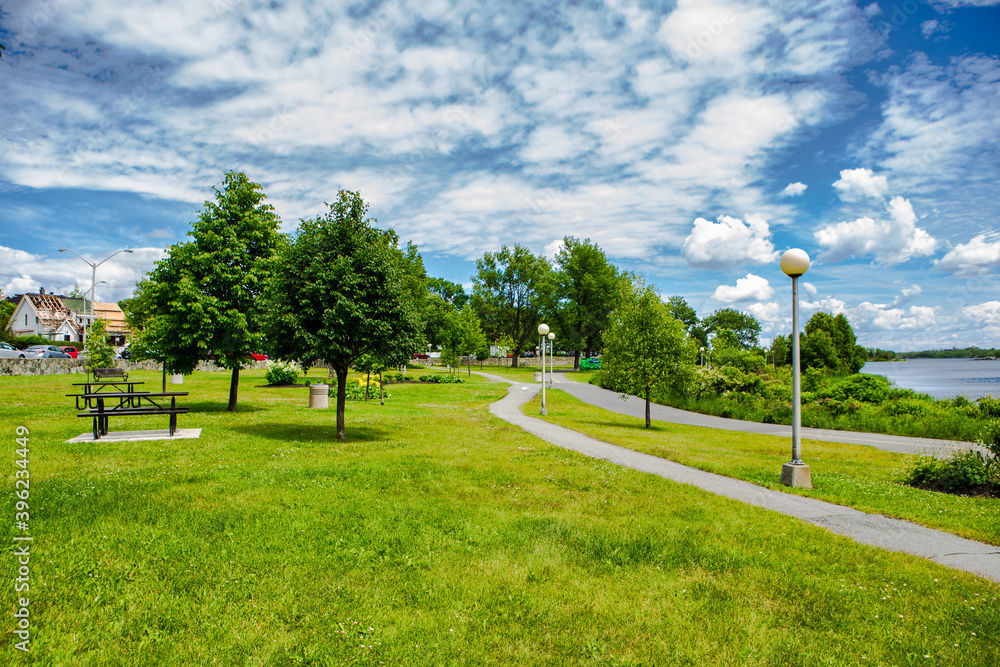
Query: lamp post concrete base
point(796, 475)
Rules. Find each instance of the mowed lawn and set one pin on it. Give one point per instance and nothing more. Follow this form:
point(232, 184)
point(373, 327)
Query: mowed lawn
point(865, 478)
point(436, 535)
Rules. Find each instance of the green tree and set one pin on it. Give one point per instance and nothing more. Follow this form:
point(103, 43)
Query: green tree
point(645, 347)
point(509, 290)
point(7, 309)
point(462, 337)
point(451, 292)
point(102, 355)
point(586, 287)
point(745, 326)
point(339, 292)
point(781, 348)
point(679, 308)
point(206, 294)
point(842, 355)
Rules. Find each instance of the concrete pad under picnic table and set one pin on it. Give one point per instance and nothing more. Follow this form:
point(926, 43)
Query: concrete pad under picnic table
point(140, 436)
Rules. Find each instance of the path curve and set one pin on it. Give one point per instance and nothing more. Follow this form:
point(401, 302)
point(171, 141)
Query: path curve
point(875, 530)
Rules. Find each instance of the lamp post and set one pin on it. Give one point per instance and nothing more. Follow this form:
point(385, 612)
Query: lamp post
point(795, 263)
point(93, 282)
point(702, 350)
point(552, 355)
point(543, 329)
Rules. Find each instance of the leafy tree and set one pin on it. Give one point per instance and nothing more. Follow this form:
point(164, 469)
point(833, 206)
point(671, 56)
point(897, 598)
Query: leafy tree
point(586, 287)
point(781, 348)
point(205, 295)
point(7, 309)
point(509, 291)
point(102, 355)
point(451, 292)
point(843, 355)
point(645, 347)
point(679, 308)
point(339, 292)
point(462, 337)
point(745, 326)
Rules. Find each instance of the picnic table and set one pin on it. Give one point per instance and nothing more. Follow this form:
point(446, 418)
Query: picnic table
point(103, 405)
point(99, 386)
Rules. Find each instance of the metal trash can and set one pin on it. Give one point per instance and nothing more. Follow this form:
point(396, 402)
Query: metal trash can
point(538, 376)
point(319, 396)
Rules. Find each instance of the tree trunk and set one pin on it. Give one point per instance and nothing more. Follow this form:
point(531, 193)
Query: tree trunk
point(234, 389)
point(647, 407)
point(164, 390)
point(576, 361)
point(341, 401)
point(368, 383)
point(381, 394)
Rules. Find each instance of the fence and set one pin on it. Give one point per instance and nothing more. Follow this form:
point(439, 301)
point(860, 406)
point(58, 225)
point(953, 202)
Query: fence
point(71, 366)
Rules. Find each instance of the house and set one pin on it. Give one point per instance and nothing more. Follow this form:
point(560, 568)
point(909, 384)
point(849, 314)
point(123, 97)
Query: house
point(62, 319)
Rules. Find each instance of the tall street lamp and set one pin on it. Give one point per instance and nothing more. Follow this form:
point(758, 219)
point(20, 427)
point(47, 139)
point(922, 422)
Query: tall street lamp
point(702, 350)
point(795, 263)
point(552, 355)
point(543, 329)
point(93, 282)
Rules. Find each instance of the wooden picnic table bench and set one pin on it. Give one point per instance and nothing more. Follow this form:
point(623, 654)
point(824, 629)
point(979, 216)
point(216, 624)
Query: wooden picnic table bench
point(133, 403)
point(111, 374)
point(97, 387)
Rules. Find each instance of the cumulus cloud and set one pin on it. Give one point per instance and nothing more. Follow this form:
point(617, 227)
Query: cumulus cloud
point(891, 241)
point(976, 256)
point(809, 288)
point(984, 314)
point(729, 242)
point(793, 189)
point(861, 183)
point(751, 288)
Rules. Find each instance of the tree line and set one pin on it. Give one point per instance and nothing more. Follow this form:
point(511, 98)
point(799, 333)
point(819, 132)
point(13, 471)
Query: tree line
point(343, 291)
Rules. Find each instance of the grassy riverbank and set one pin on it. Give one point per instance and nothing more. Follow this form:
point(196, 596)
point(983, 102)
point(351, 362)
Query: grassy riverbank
point(435, 535)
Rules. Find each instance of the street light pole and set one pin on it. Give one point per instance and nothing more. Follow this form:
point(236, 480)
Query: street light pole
point(702, 350)
point(795, 473)
point(93, 283)
point(543, 329)
point(552, 355)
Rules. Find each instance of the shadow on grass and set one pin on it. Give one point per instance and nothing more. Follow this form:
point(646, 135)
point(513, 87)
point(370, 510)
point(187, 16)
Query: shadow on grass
point(631, 427)
point(220, 407)
point(313, 432)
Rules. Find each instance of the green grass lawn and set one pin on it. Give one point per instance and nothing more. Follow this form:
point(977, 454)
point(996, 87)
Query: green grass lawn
point(865, 478)
point(435, 535)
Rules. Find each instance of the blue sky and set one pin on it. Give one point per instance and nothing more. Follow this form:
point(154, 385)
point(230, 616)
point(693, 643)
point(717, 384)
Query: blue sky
point(693, 141)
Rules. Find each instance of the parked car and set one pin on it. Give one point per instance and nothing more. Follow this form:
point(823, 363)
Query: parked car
point(259, 356)
point(8, 351)
point(126, 353)
point(45, 352)
point(71, 351)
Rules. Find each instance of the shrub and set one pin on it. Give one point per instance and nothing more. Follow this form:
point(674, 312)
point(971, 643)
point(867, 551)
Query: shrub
point(989, 407)
point(960, 472)
point(866, 388)
point(905, 406)
point(282, 372)
point(442, 379)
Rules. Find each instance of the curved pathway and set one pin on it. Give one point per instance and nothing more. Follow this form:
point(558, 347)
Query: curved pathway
point(893, 534)
point(636, 407)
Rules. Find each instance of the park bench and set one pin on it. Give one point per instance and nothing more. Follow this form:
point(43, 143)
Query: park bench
point(104, 405)
point(109, 374)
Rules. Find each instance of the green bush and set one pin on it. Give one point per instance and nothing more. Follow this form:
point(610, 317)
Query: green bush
point(905, 406)
point(962, 471)
point(282, 372)
point(989, 407)
point(866, 388)
point(442, 379)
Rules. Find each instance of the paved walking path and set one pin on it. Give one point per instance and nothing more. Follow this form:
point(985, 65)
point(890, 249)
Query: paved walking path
point(893, 534)
point(636, 407)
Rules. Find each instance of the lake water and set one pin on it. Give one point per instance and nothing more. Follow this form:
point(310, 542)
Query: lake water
point(942, 378)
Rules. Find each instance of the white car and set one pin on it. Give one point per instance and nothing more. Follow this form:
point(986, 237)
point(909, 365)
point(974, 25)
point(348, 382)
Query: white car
point(45, 352)
point(8, 351)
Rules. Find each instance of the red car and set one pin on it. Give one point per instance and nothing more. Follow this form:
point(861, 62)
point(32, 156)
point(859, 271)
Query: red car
point(71, 351)
point(259, 356)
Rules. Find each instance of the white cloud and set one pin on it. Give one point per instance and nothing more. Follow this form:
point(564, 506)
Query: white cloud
point(976, 256)
point(751, 288)
point(793, 190)
point(729, 242)
point(983, 314)
point(891, 241)
point(858, 183)
point(809, 288)
point(554, 248)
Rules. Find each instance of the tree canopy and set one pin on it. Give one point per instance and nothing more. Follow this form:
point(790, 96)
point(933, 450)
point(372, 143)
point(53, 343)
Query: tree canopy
point(743, 325)
point(645, 347)
point(585, 291)
point(339, 291)
point(205, 295)
point(508, 294)
point(829, 342)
